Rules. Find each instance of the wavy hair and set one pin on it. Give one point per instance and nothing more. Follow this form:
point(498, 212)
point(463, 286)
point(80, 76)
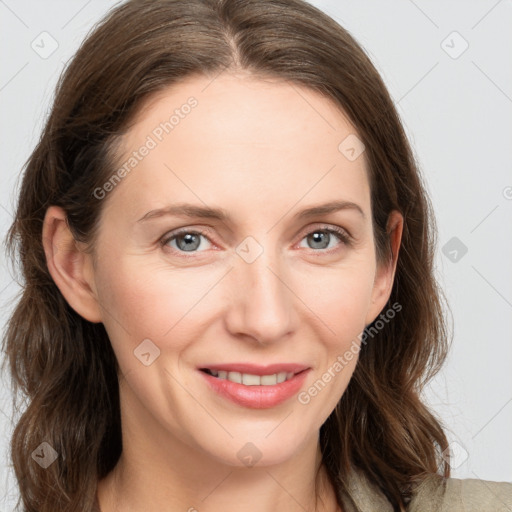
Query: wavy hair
point(64, 367)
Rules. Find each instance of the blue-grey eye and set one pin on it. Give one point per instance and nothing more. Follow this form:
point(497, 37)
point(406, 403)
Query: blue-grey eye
point(322, 238)
point(188, 241)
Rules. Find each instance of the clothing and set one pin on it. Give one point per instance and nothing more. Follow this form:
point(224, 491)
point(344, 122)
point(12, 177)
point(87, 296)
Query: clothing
point(460, 495)
point(468, 495)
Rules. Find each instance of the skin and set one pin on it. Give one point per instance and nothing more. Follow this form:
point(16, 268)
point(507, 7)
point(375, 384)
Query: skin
point(262, 150)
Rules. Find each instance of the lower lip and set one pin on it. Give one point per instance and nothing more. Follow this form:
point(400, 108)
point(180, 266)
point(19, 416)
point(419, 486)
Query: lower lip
point(256, 397)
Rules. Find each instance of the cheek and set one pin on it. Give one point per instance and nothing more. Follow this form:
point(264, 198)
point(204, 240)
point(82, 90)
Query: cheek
point(339, 297)
point(340, 301)
point(153, 302)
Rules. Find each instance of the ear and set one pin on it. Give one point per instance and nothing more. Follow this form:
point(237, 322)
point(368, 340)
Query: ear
point(70, 267)
point(385, 273)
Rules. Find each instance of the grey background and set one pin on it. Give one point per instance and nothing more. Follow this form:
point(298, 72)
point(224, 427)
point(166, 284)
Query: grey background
point(457, 110)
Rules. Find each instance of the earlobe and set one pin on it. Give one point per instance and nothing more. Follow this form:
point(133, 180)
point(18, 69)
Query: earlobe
point(70, 267)
point(385, 274)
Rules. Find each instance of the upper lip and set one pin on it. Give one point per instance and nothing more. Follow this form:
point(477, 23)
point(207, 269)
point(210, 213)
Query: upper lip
point(254, 369)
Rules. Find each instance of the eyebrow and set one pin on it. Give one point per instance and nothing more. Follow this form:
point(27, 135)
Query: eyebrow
point(205, 212)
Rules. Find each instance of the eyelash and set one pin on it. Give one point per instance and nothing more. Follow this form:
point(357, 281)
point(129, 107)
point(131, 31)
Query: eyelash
point(344, 237)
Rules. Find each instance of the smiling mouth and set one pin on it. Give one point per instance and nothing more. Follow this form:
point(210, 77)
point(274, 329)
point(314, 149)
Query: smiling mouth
point(249, 379)
point(255, 386)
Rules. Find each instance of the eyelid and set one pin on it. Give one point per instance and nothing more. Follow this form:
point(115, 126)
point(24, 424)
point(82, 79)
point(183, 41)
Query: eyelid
point(345, 237)
point(171, 235)
point(320, 226)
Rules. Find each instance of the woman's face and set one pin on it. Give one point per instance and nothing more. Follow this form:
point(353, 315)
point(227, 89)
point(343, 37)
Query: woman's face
point(244, 274)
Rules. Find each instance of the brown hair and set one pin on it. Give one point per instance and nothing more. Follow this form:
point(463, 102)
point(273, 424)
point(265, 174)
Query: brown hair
point(65, 366)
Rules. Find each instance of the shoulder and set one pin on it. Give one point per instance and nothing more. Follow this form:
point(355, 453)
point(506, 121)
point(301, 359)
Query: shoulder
point(461, 495)
point(434, 494)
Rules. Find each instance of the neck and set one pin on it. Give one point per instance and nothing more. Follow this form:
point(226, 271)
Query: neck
point(159, 473)
point(130, 489)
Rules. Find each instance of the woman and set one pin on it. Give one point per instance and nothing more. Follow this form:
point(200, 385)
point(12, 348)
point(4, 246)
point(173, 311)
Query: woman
point(229, 298)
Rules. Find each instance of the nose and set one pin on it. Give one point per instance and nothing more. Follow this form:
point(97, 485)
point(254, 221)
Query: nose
point(262, 301)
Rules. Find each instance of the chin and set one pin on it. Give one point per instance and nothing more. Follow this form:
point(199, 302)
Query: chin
point(259, 450)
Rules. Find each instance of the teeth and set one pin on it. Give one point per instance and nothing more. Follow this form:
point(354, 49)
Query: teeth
point(234, 377)
point(268, 380)
point(252, 380)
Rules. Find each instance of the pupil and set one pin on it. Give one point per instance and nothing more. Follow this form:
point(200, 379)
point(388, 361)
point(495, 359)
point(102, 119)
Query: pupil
point(317, 239)
point(189, 240)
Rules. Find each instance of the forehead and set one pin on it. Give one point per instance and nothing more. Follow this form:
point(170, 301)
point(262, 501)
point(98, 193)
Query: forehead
point(232, 136)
